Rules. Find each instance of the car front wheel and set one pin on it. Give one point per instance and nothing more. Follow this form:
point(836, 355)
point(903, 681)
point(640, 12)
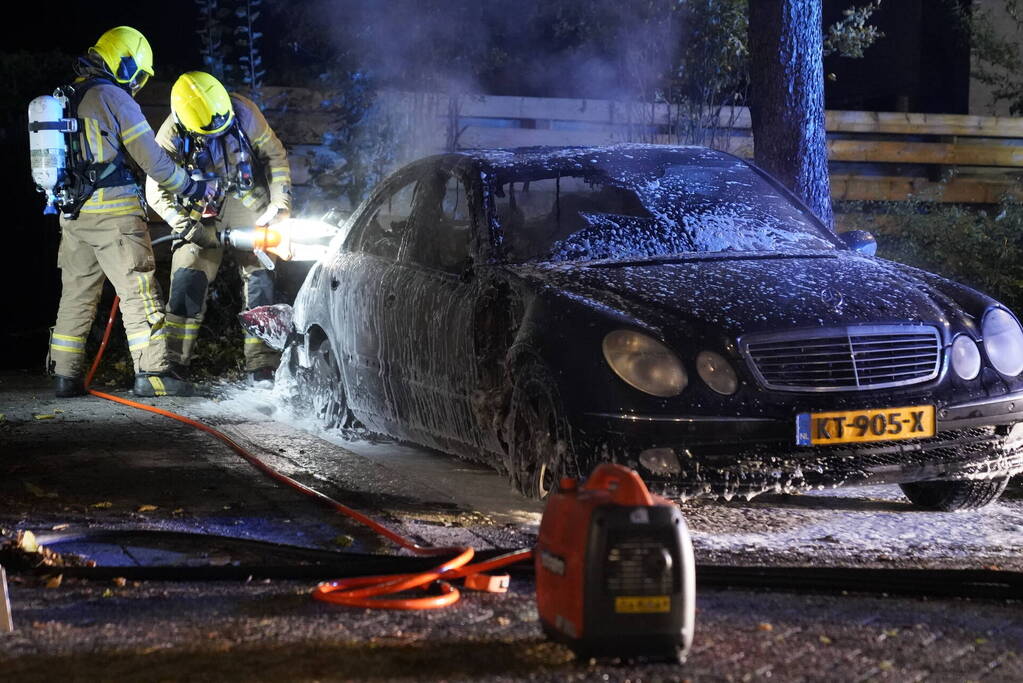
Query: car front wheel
point(323, 389)
point(960, 494)
point(537, 433)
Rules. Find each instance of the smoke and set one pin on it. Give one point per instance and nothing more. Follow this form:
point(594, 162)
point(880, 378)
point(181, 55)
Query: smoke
point(604, 49)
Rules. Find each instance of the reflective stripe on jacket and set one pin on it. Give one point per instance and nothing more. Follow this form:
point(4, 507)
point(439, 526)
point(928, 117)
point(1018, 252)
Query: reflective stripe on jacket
point(112, 121)
point(271, 171)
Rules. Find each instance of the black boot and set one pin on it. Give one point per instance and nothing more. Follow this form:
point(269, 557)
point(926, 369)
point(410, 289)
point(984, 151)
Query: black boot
point(68, 387)
point(150, 384)
point(262, 377)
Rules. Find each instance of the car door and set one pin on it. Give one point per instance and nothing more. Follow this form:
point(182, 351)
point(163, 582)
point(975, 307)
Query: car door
point(362, 277)
point(434, 293)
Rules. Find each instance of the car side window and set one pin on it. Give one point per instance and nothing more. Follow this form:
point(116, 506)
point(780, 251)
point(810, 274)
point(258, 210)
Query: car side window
point(389, 223)
point(442, 225)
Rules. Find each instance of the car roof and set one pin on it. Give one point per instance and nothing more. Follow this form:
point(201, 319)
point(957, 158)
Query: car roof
point(526, 159)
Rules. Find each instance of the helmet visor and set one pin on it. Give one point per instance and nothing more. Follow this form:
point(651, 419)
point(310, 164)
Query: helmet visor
point(141, 78)
point(218, 123)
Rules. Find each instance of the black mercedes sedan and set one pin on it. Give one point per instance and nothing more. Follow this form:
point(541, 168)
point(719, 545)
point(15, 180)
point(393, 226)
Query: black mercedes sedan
point(673, 309)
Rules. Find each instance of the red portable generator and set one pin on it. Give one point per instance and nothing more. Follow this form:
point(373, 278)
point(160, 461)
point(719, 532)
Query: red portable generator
point(614, 569)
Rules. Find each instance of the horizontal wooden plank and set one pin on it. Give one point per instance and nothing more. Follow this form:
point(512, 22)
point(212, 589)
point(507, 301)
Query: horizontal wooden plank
point(925, 153)
point(897, 188)
point(923, 124)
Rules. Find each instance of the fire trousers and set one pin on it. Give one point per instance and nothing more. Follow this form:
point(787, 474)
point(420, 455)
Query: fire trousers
point(193, 269)
point(94, 247)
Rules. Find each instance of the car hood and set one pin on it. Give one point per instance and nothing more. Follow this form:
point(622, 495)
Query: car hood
point(739, 294)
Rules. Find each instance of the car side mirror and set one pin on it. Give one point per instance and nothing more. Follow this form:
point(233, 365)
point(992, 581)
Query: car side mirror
point(860, 241)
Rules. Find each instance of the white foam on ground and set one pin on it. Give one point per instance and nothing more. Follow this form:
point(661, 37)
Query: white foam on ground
point(878, 520)
point(865, 520)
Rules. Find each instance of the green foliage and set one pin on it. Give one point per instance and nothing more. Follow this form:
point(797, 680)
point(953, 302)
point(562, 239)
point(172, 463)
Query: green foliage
point(996, 48)
point(236, 61)
point(246, 38)
point(851, 35)
point(361, 145)
point(979, 248)
point(711, 71)
point(214, 22)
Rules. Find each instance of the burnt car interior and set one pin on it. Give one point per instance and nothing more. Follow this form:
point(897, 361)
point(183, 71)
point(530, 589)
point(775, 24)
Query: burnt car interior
point(425, 221)
point(677, 209)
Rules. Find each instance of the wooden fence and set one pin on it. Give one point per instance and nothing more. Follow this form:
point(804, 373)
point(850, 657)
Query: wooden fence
point(873, 156)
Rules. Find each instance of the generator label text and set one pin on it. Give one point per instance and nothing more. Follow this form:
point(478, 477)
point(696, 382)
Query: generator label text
point(642, 604)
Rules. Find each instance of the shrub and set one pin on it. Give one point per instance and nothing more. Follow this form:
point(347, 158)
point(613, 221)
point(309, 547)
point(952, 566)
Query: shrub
point(982, 248)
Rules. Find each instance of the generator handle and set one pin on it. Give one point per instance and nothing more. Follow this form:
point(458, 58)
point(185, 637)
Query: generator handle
point(625, 485)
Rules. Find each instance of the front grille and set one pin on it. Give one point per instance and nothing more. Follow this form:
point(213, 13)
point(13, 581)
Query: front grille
point(845, 359)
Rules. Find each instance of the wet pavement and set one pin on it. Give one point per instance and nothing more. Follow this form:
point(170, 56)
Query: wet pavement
point(72, 468)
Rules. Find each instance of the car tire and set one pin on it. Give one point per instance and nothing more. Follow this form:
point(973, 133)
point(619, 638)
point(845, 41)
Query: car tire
point(323, 389)
point(537, 433)
point(961, 494)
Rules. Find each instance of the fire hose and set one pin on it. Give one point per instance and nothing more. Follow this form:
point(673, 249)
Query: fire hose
point(365, 591)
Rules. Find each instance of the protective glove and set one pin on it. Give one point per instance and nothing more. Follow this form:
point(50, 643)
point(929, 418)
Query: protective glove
point(202, 235)
point(194, 190)
point(273, 214)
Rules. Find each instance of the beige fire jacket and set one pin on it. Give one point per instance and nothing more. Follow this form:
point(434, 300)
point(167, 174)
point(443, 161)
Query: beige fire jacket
point(271, 171)
point(113, 120)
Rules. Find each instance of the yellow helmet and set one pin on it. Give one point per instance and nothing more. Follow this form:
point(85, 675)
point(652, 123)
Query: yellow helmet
point(201, 104)
point(127, 54)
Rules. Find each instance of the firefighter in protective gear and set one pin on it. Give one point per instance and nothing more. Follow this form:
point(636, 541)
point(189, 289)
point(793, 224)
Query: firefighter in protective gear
point(223, 136)
point(109, 237)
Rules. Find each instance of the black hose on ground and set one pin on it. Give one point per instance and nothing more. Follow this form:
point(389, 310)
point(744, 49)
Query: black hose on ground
point(301, 563)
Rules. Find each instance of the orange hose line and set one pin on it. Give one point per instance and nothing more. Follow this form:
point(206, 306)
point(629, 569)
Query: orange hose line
point(363, 591)
point(103, 344)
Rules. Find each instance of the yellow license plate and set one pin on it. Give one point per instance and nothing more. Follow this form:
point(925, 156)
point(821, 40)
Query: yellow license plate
point(854, 426)
point(642, 604)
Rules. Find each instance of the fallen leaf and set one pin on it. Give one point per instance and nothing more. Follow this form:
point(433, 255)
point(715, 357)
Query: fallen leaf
point(885, 664)
point(57, 410)
point(54, 581)
point(34, 490)
point(764, 626)
point(104, 504)
point(27, 542)
point(59, 527)
point(825, 640)
point(108, 593)
point(177, 511)
point(120, 581)
point(344, 540)
point(46, 416)
point(147, 508)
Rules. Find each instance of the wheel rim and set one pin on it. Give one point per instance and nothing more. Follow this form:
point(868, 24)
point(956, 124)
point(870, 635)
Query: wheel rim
point(327, 393)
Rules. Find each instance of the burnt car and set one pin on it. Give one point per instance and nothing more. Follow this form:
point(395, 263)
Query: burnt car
point(673, 309)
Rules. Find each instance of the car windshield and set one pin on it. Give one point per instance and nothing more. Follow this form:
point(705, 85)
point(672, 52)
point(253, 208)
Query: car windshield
point(674, 209)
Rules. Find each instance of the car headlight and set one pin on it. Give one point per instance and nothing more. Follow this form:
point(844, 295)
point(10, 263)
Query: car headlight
point(1003, 341)
point(645, 363)
point(965, 357)
point(717, 372)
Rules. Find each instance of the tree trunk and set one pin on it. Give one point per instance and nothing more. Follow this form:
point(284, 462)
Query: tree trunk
point(787, 98)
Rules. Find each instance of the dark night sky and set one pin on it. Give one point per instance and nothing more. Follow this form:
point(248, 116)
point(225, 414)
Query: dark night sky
point(73, 26)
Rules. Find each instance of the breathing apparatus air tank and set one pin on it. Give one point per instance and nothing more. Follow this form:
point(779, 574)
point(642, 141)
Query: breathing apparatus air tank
point(47, 142)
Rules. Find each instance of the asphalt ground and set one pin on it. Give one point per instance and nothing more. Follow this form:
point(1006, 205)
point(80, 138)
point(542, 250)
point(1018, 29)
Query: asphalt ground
point(71, 468)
